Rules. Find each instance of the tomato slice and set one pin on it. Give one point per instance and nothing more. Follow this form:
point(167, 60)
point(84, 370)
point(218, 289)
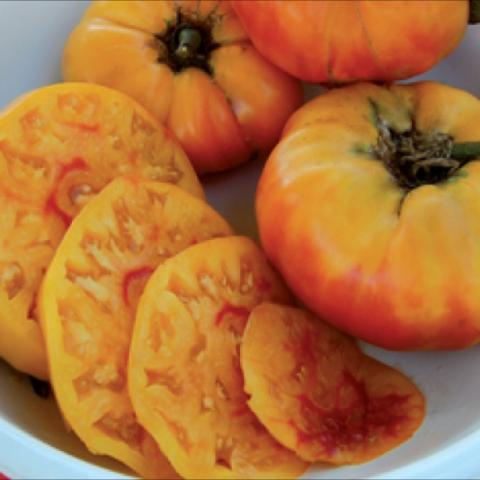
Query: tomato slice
point(319, 394)
point(185, 380)
point(88, 301)
point(59, 146)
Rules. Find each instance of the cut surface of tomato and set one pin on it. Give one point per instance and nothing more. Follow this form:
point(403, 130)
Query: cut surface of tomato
point(59, 146)
point(88, 301)
point(319, 394)
point(185, 379)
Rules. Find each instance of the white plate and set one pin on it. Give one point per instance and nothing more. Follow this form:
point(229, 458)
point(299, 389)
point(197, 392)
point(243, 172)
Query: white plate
point(33, 440)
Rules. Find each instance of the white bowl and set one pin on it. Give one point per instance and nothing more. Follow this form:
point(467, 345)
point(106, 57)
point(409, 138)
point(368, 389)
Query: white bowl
point(34, 442)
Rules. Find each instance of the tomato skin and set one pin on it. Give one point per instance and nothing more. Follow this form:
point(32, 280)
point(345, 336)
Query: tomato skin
point(339, 42)
point(393, 267)
point(221, 114)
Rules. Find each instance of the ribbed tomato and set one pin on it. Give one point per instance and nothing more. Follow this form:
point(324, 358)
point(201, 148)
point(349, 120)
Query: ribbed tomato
point(88, 301)
point(340, 41)
point(369, 206)
point(59, 146)
point(192, 65)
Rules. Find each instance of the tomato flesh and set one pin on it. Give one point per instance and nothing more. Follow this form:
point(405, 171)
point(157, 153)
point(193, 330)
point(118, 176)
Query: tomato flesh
point(318, 394)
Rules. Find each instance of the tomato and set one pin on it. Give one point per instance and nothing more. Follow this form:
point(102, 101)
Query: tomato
point(346, 41)
point(184, 371)
point(377, 188)
point(191, 64)
point(318, 394)
point(88, 301)
point(59, 146)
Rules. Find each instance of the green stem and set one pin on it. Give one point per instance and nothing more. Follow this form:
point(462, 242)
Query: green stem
point(189, 41)
point(466, 151)
point(474, 12)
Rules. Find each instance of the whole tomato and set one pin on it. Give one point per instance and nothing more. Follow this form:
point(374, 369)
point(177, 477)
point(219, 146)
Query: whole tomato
point(191, 64)
point(346, 41)
point(370, 207)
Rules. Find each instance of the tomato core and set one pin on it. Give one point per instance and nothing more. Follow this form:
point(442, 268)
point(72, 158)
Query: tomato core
point(188, 43)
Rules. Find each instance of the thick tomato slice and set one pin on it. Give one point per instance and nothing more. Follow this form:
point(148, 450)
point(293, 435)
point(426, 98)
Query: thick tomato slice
point(318, 394)
point(88, 300)
point(59, 146)
point(185, 380)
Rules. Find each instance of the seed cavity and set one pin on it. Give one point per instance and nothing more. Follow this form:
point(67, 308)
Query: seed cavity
point(301, 373)
point(221, 390)
point(198, 351)
point(98, 253)
point(140, 124)
point(80, 194)
point(125, 428)
point(224, 446)
point(207, 284)
point(164, 378)
point(77, 339)
point(106, 376)
point(12, 279)
point(207, 403)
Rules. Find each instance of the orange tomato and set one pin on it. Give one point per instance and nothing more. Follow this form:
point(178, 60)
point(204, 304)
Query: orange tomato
point(318, 394)
point(345, 41)
point(369, 206)
point(191, 64)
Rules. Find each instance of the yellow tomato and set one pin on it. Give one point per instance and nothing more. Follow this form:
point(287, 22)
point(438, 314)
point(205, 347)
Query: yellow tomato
point(369, 206)
point(192, 65)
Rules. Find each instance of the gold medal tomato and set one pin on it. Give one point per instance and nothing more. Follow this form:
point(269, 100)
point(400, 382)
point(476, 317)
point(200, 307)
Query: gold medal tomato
point(184, 370)
point(369, 207)
point(338, 41)
point(88, 301)
point(59, 146)
point(192, 65)
point(318, 394)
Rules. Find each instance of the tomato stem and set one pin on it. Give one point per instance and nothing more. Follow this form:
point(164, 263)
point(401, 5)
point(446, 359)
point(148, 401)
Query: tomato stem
point(189, 42)
point(416, 158)
point(474, 12)
point(466, 151)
